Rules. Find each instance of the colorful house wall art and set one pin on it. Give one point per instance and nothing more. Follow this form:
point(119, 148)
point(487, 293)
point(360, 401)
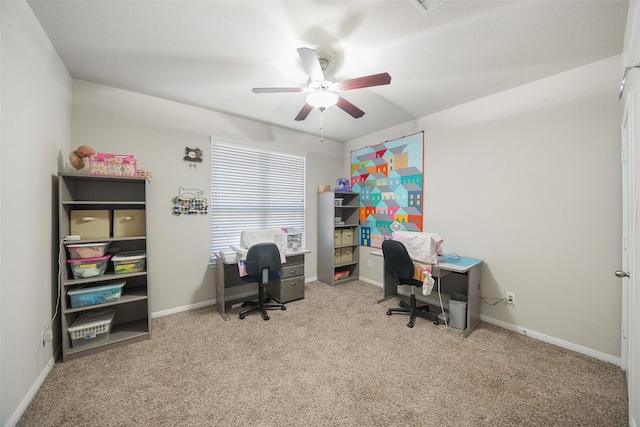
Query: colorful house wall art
point(388, 177)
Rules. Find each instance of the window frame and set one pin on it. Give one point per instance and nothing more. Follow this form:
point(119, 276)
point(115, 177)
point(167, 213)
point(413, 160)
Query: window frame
point(271, 197)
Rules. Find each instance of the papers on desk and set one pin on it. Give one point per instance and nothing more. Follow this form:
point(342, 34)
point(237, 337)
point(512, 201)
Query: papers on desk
point(228, 255)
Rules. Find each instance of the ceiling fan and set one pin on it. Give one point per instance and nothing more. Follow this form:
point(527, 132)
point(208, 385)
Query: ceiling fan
point(322, 87)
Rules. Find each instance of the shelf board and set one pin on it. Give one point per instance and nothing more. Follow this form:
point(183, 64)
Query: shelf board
point(104, 240)
point(119, 334)
point(345, 264)
point(136, 295)
point(348, 279)
point(348, 245)
point(104, 277)
point(103, 202)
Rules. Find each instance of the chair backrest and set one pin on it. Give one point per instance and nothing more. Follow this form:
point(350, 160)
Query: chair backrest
point(263, 255)
point(397, 261)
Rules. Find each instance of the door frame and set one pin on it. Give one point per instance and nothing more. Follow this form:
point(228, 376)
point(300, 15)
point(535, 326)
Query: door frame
point(630, 296)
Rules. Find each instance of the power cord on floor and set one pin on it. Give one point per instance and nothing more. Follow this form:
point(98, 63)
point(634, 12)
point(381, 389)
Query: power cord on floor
point(444, 315)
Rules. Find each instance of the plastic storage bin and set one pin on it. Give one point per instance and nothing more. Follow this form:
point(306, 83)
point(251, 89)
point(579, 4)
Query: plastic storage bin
point(87, 250)
point(83, 268)
point(129, 262)
point(91, 327)
point(96, 294)
point(294, 241)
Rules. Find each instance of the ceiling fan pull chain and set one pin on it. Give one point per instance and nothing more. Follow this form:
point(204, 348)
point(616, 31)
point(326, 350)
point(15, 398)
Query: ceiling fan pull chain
point(321, 115)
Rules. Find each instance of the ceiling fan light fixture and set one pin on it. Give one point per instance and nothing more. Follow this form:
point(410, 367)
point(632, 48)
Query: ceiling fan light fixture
point(322, 99)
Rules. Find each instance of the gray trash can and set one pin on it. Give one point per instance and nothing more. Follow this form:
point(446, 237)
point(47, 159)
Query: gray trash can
point(458, 311)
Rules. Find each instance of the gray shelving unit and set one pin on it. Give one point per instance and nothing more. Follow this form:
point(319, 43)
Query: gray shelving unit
point(338, 241)
point(132, 321)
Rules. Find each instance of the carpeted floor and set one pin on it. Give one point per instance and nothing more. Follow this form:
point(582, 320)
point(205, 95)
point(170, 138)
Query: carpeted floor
point(332, 359)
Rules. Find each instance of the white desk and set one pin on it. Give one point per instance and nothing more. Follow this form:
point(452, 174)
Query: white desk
point(464, 275)
point(227, 276)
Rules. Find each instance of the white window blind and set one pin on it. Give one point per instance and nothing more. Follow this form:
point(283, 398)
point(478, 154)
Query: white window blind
point(253, 188)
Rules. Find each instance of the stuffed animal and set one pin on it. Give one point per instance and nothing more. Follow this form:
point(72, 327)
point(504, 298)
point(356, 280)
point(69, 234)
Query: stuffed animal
point(77, 157)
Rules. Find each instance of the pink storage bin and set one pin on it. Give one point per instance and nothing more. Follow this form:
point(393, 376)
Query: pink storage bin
point(113, 164)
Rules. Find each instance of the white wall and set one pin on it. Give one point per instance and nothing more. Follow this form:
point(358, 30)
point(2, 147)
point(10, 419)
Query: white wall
point(529, 181)
point(157, 131)
point(36, 121)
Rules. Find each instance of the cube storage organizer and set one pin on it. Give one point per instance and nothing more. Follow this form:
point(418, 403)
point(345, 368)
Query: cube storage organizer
point(91, 327)
point(83, 268)
point(96, 295)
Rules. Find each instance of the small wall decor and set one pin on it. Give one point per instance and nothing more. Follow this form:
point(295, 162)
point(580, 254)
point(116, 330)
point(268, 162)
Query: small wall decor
point(193, 154)
point(190, 201)
point(342, 184)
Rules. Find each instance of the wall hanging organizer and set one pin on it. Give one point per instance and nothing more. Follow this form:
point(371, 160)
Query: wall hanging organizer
point(190, 201)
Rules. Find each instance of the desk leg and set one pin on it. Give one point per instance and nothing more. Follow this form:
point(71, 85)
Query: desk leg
point(220, 289)
point(389, 288)
point(473, 300)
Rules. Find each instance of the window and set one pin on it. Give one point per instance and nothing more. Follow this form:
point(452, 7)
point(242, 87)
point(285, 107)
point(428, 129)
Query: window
point(254, 188)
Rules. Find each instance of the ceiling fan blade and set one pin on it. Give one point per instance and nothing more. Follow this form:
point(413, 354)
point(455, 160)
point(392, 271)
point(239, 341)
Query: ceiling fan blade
point(349, 108)
point(276, 89)
point(366, 81)
point(306, 109)
point(311, 63)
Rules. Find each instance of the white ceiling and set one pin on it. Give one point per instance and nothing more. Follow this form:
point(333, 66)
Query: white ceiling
point(211, 53)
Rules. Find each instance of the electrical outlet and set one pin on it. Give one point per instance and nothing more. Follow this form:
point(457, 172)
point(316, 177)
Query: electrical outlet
point(46, 334)
point(511, 298)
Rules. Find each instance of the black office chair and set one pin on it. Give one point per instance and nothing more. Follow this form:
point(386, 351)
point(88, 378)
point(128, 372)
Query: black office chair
point(398, 264)
point(263, 264)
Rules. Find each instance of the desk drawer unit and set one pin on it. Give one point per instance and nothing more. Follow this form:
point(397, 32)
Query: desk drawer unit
point(290, 287)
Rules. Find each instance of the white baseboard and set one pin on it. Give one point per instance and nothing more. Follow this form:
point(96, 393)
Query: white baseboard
point(371, 282)
point(533, 334)
point(31, 394)
point(240, 295)
point(182, 308)
point(555, 341)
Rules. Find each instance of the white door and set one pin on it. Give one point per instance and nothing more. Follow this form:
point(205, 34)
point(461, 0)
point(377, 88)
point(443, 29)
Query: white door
point(629, 218)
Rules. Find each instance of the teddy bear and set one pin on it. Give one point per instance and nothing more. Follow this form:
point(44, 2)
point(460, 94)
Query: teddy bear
point(77, 157)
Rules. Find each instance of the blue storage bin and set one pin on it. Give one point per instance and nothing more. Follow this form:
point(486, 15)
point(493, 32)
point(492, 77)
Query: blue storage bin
point(96, 295)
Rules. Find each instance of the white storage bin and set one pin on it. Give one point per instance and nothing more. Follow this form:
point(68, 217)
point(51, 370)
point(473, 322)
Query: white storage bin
point(91, 327)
